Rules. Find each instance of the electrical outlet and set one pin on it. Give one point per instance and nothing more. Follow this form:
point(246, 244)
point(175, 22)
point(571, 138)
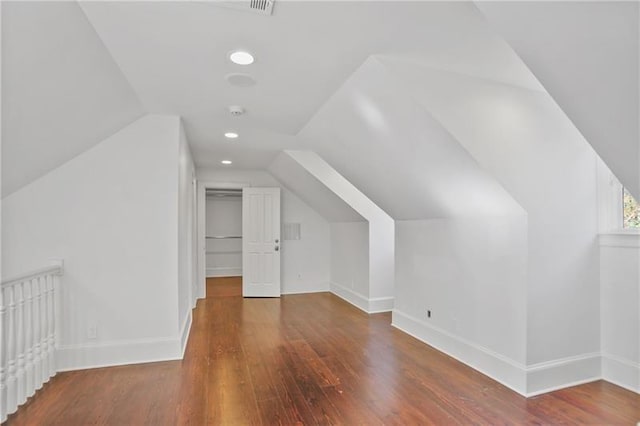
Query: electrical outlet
point(92, 331)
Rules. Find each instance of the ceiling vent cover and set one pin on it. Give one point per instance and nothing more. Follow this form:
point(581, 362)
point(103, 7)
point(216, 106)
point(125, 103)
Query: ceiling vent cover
point(263, 7)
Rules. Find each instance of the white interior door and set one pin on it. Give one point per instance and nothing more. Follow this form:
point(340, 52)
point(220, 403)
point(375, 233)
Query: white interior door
point(261, 242)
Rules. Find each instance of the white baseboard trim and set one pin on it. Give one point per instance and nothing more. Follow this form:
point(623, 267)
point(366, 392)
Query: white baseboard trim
point(320, 288)
point(123, 352)
point(621, 372)
point(360, 301)
point(500, 368)
point(186, 331)
point(529, 380)
point(381, 304)
point(563, 373)
point(294, 292)
point(231, 271)
point(356, 299)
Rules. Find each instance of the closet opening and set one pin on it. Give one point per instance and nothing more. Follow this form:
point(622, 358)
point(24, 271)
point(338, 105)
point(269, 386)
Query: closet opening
point(223, 242)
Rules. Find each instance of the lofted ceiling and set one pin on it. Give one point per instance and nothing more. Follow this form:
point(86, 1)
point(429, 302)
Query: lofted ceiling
point(74, 74)
point(587, 56)
point(392, 149)
point(175, 56)
point(62, 93)
point(519, 137)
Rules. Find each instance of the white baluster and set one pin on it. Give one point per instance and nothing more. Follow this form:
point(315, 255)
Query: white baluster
point(19, 343)
point(52, 324)
point(44, 328)
point(57, 330)
point(28, 338)
point(3, 359)
point(21, 380)
point(44, 338)
point(12, 403)
point(37, 358)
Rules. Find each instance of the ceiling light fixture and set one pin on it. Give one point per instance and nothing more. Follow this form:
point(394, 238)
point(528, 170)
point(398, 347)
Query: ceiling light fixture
point(226, 162)
point(231, 135)
point(241, 57)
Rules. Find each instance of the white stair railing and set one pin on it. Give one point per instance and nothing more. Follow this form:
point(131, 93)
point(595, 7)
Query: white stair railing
point(28, 338)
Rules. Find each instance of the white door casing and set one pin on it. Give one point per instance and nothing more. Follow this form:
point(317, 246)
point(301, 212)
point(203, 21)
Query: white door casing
point(261, 242)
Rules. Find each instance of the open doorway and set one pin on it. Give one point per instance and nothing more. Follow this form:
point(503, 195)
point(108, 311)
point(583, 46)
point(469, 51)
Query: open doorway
point(239, 237)
point(223, 242)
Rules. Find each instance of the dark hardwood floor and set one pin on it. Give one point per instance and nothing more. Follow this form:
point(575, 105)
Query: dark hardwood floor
point(307, 359)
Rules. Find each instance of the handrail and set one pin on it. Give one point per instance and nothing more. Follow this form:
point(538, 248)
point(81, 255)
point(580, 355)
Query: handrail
point(53, 269)
point(224, 237)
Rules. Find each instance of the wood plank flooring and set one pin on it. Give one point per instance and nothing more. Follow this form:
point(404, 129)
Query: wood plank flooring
point(224, 287)
point(307, 359)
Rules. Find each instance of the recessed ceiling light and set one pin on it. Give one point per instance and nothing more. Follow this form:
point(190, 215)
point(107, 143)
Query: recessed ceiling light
point(241, 57)
point(226, 161)
point(231, 135)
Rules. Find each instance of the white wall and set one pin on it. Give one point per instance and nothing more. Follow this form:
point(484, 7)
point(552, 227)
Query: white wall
point(381, 228)
point(350, 262)
point(186, 235)
point(440, 145)
point(471, 274)
point(112, 214)
point(224, 218)
point(305, 263)
point(524, 139)
point(620, 309)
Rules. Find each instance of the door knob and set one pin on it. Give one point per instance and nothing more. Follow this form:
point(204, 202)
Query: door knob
point(277, 248)
point(277, 241)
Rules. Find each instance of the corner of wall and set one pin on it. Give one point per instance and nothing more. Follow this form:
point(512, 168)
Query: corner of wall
point(365, 304)
point(621, 372)
point(563, 373)
point(185, 332)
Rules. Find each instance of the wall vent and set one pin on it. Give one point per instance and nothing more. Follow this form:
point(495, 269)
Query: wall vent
point(263, 7)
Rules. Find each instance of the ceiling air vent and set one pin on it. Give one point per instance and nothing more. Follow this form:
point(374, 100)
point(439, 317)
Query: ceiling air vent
point(263, 7)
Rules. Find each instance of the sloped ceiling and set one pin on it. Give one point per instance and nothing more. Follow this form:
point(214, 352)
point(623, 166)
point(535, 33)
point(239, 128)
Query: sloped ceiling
point(390, 147)
point(62, 93)
point(521, 137)
point(175, 55)
point(311, 190)
point(586, 56)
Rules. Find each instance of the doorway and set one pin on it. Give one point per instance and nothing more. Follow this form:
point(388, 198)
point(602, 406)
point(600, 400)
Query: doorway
point(239, 237)
point(223, 241)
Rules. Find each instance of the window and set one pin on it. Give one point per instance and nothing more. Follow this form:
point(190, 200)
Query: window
point(631, 210)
